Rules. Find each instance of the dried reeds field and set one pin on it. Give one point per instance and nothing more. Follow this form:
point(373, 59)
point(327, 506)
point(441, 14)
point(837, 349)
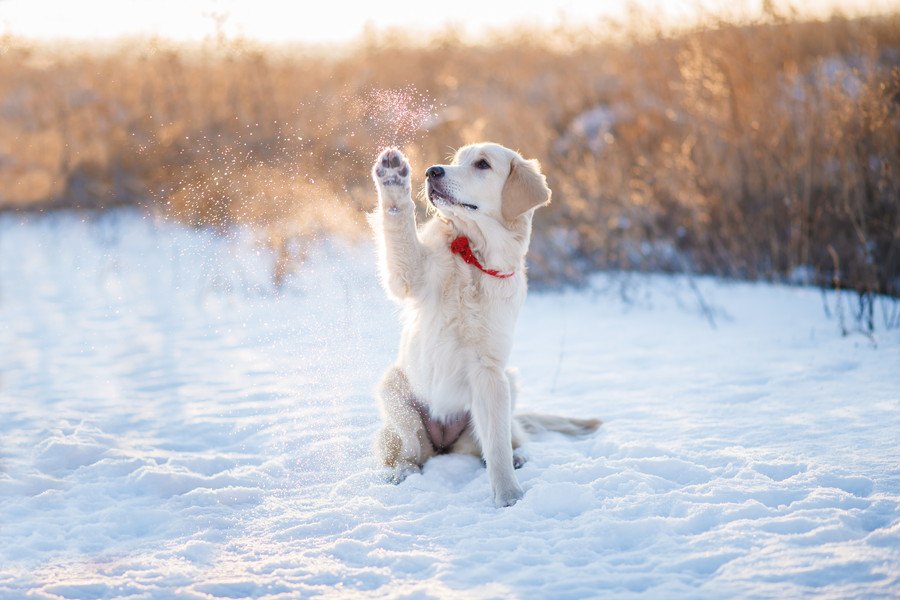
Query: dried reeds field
point(763, 150)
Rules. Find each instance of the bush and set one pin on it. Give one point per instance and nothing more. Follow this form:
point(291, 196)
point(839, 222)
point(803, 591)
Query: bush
point(768, 150)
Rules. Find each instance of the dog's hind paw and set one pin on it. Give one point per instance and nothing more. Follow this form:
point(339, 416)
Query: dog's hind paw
point(519, 460)
point(399, 473)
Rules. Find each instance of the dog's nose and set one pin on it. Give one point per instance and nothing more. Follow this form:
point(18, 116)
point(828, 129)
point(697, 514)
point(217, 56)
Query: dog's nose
point(434, 172)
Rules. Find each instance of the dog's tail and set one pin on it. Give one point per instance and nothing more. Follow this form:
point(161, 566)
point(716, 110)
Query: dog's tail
point(535, 423)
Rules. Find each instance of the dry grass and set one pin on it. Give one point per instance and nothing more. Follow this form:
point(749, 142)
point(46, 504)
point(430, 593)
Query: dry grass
point(759, 151)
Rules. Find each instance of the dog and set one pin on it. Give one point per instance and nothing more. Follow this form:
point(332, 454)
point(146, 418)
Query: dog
point(460, 279)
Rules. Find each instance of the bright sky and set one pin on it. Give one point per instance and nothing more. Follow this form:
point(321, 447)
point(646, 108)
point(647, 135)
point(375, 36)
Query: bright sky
point(319, 21)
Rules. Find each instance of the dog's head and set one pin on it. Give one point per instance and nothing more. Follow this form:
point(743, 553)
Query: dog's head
point(487, 182)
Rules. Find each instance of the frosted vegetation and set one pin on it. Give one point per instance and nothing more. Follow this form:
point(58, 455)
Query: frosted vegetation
point(767, 150)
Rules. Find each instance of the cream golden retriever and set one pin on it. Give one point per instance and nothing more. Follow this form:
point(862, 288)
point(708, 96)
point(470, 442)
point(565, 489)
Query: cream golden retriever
point(460, 279)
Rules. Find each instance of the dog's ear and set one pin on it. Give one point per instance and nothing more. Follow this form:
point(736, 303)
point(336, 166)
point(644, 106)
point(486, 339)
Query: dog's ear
point(525, 189)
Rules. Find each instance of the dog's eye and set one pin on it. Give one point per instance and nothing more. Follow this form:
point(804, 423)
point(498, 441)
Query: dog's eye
point(482, 164)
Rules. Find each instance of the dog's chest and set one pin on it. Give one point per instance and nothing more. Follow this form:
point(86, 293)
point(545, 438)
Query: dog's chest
point(461, 327)
point(473, 320)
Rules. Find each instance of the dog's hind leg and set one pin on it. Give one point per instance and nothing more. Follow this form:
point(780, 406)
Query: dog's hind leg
point(402, 443)
point(467, 444)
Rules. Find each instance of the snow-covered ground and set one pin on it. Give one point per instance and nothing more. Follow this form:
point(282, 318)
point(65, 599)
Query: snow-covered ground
point(171, 427)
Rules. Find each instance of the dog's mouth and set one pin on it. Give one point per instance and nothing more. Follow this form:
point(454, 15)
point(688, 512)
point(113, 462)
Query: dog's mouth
point(441, 198)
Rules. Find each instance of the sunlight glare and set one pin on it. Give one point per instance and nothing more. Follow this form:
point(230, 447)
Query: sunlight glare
point(330, 22)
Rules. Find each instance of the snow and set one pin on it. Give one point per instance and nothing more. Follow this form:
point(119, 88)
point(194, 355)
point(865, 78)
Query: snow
point(171, 426)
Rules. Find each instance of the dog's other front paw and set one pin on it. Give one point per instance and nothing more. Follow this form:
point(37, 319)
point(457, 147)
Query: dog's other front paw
point(507, 497)
point(391, 174)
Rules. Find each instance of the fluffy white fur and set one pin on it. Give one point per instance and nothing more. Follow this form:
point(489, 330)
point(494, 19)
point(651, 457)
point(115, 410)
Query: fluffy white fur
point(458, 322)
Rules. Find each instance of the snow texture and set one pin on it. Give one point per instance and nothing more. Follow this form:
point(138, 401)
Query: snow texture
point(173, 427)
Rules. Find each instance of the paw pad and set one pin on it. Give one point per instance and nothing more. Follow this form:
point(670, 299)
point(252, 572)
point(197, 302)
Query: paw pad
point(392, 168)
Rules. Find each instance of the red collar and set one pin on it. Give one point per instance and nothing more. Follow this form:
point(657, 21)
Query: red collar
point(461, 246)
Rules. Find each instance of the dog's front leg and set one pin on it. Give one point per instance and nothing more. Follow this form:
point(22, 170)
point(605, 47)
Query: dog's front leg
point(395, 224)
point(492, 415)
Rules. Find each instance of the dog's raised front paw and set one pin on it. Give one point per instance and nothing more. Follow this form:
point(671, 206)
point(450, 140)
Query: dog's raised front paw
point(391, 174)
point(391, 168)
point(507, 497)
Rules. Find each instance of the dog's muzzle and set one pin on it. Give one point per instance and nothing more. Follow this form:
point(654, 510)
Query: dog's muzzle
point(437, 196)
